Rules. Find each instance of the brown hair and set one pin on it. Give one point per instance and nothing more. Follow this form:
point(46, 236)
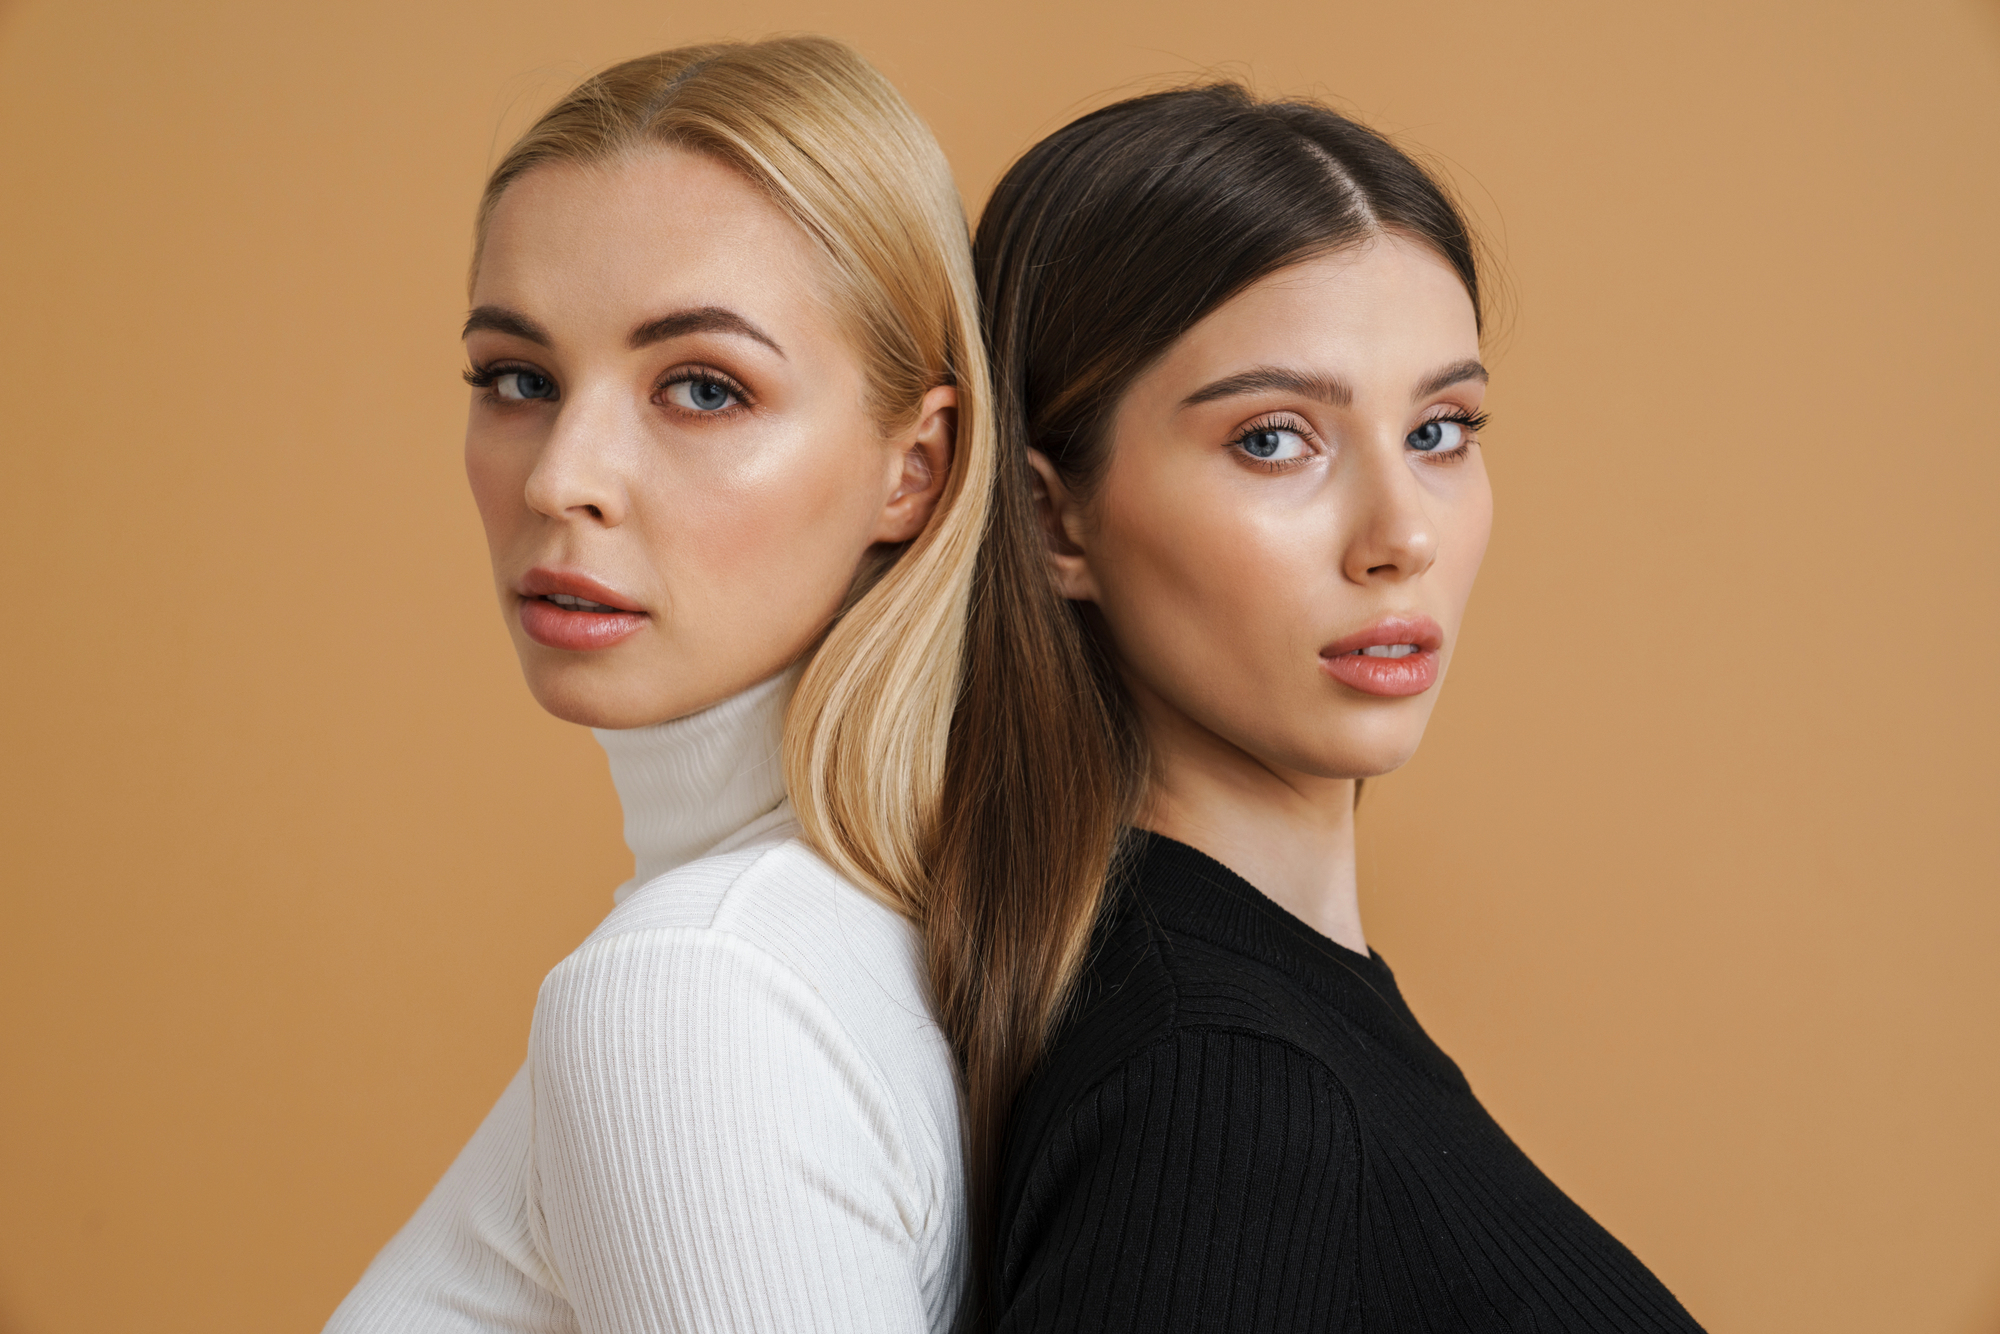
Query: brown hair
point(1103, 245)
point(834, 145)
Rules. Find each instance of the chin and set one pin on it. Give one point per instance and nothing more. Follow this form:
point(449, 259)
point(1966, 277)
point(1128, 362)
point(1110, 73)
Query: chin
point(1369, 747)
point(587, 695)
point(1356, 762)
point(618, 692)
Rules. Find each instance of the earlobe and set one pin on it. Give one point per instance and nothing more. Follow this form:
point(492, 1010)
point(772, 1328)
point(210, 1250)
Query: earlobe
point(1061, 520)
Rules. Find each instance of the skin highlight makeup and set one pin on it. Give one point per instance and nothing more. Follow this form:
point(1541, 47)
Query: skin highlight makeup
point(1281, 548)
point(656, 446)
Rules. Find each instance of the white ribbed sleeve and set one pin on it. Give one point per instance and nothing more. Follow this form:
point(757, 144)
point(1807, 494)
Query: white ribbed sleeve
point(736, 1114)
point(714, 1152)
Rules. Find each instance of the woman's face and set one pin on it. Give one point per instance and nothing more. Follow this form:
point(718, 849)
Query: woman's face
point(668, 439)
point(1292, 514)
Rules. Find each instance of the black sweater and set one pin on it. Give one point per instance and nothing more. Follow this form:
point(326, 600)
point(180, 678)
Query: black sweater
point(1243, 1127)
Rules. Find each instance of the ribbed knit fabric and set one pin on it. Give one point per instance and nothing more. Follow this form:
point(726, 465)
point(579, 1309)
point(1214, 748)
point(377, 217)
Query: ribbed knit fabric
point(1243, 1127)
point(736, 1112)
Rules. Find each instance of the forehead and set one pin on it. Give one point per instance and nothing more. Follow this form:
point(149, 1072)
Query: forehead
point(1385, 310)
point(644, 233)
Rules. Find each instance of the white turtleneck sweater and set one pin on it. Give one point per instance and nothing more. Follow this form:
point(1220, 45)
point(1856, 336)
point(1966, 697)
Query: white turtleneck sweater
point(736, 1113)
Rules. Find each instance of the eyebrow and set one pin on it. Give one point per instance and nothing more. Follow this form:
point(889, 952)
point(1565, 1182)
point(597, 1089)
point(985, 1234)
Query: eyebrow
point(1263, 379)
point(1325, 388)
point(702, 319)
point(1456, 373)
point(502, 320)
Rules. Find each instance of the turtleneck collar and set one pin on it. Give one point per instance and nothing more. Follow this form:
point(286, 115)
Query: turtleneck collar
point(702, 783)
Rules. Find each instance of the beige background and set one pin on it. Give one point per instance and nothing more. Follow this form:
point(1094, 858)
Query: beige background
point(1696, 875)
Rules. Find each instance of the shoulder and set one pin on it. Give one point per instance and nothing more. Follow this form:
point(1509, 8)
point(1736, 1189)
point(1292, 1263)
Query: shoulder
point(763, 950)
point(1161, 1018)
point(775, 908)
point(1147, 983)
point(1127, 999)
point(776, 895)
point(1187, 1075)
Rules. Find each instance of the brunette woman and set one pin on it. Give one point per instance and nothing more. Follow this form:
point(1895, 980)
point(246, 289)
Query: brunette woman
point(1236, 350)
point(728, 435)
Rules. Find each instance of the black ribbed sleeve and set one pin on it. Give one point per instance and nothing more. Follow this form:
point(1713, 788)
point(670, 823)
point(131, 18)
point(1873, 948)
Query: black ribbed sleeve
point(1244, 1127)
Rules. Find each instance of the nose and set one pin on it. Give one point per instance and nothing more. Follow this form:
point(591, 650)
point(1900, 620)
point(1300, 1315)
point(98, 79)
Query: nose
point(1391, 536)
point(577, 476)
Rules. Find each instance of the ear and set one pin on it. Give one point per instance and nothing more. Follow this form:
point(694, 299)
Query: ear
point(1062, 529)
point(923, 466)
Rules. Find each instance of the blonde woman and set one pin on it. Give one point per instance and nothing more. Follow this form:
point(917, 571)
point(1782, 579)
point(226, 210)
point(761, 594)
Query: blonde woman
point(729, 439)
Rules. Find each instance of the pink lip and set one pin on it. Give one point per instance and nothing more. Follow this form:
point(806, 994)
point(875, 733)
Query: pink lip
point(1412, 674)
point(576, 631)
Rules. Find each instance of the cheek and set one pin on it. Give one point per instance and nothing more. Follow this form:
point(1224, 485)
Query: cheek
point(1469, 527)
point(814, 494)
point(781, 528)
point(1195, 583)
point(498, 483)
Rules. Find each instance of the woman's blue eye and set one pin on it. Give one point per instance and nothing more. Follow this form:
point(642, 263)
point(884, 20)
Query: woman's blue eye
point(523, 384)
point(700, 395)
point(1435, 435)
point(1273, 445)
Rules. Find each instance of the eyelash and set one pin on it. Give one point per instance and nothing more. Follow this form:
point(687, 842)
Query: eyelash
point(1279, 422)
point(1473, 422)
point(706, 375)
point(482, 376)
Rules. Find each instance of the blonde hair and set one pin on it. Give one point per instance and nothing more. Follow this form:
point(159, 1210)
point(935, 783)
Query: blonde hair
point(836, 147)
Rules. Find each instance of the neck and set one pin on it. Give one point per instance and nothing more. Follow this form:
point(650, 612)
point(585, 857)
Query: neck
point(1289, 834)
point(704, 783)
